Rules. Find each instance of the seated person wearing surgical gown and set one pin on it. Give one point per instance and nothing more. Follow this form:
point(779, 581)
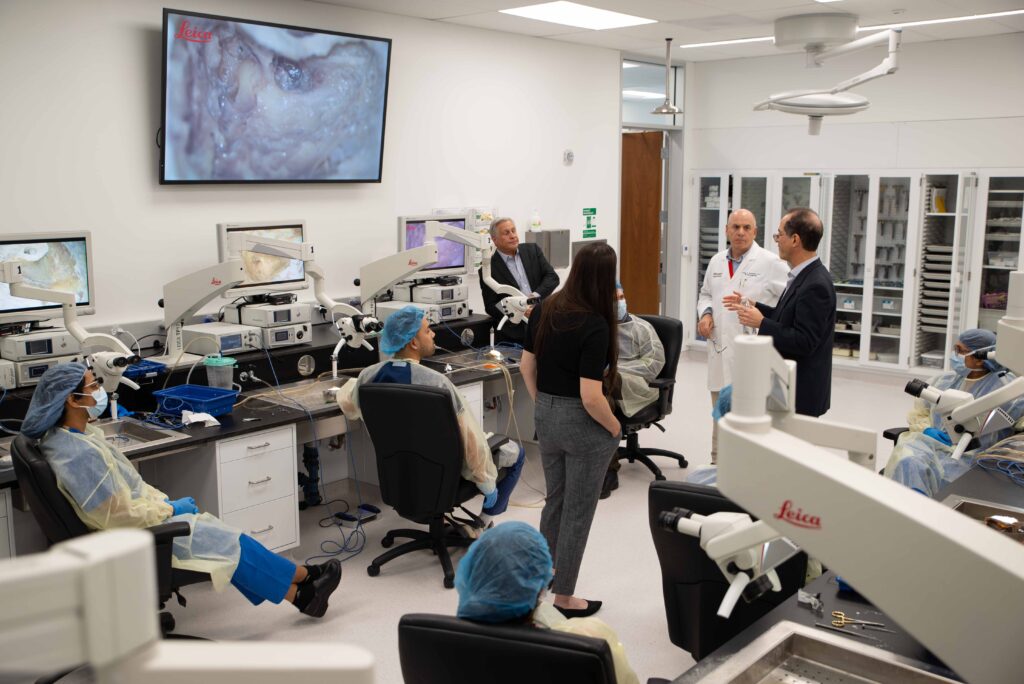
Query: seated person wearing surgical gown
point(502, 578)
point(106, 491)
point(408, 336)
point(641, 358)
point(922, 458)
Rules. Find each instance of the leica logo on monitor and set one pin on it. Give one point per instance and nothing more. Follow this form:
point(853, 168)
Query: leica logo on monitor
point(796, 516)
point(192, 35)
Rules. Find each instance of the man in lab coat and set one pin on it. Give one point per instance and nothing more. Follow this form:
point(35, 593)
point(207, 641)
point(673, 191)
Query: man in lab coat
point(742, 267)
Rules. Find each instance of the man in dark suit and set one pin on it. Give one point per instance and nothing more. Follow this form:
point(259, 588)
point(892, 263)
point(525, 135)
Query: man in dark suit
point(522, 266)
point(802, 325)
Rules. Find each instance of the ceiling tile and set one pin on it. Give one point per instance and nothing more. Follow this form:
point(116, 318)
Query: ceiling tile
point(511, 24)
point(434, 9)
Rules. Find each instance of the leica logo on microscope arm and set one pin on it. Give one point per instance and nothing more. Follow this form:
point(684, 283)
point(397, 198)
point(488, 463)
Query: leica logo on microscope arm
point(192, 35)
point(796, 516)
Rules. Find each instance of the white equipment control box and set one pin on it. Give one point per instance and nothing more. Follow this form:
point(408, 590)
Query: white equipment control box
point(267, 315)
point(29, 372)
point(39, 344)
point(222, 338)
point(8, 375)
point(287, 335)
point(436, 313)
point(431, 294)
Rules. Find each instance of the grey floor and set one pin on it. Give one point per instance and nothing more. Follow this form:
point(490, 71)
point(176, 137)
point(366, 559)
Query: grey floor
point(620, 566)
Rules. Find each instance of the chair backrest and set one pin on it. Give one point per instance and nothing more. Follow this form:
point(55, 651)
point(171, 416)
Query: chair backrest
point(38, 485)
point(440, 649)
point(670, 332)
point(693, 585)
point(419, 449)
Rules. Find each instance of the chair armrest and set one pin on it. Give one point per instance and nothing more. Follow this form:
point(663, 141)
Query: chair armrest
point(894, 433)
point(495, 441)
point(661, 383)
point(165, 532)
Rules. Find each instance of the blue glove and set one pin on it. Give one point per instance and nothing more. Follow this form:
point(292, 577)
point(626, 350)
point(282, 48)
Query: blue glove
point(185, 505)
point(724, 403)
point(491, 499)
point(938, 435)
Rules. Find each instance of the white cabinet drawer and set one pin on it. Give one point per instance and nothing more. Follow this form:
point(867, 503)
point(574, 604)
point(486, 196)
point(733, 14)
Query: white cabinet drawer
point(257, 443)
point(263, 476)
point(274, 524)
point(473, 395)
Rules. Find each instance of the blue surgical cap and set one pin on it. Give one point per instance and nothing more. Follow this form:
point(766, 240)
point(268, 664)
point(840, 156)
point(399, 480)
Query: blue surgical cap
point(47, 404)
point(400, 328)
point(977, 338)
point(501, 576)
point(618, 285)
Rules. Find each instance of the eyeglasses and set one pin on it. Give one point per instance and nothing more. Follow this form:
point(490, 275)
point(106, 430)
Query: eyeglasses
point(714, 343)
point(777, 235)
point(97, 383)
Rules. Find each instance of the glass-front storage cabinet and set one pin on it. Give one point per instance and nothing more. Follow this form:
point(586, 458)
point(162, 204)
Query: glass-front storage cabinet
point(752, 193)
point(867, 236)
point(714, 196)
point(996, 248)
point(945, 204)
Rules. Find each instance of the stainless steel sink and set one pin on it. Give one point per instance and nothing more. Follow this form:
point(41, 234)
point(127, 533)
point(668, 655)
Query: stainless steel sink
point(789, 652)
point(128, 435)
point(310, 394)
point(981, 510)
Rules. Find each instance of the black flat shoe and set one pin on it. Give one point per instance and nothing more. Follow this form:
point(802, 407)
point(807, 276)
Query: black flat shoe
point(592, 607)
point(324, 586)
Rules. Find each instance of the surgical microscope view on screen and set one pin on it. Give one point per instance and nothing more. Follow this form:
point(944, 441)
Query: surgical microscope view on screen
point(266, 268)
point(449, 254)
point(252, 102)
point(51, 265)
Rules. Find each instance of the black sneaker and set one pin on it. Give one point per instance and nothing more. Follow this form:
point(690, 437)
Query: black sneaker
point(323, 587)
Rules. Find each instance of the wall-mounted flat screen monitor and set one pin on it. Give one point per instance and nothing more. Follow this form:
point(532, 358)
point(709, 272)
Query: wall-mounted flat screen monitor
point(53, 261)
point(265, 272)
point(451, 256)
point(253, 102)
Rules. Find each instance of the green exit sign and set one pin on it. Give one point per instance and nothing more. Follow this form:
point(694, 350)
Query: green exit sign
point(590, 233)
point(591, 211)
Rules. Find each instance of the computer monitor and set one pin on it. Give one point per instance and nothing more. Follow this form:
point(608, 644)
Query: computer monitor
point(265, 273)
point(451, 256)
point(54, 261)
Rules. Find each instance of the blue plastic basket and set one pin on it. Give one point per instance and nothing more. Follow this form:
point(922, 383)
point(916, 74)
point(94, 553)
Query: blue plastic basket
point(144, 369)
point(196, 398)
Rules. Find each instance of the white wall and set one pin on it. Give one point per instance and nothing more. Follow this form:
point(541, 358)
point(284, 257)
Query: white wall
point(474, 118)
point(952, 104)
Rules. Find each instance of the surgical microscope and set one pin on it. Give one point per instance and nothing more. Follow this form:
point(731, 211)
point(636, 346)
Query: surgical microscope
point(914, 558)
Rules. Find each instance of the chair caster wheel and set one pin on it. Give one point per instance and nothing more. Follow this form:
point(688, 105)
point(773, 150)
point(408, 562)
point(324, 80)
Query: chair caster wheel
point(387, 542)
point(372, 570)
point(660, 478)
point(449, 582)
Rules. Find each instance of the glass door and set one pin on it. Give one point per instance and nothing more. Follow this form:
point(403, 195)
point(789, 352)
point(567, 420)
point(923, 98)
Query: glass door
point(888, 270)
point(752, 192)
point(1001, 247)
point(847, 259)
point(712, 214)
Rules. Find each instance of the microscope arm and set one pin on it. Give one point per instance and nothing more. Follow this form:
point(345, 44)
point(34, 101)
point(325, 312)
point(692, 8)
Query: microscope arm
point(184, 297)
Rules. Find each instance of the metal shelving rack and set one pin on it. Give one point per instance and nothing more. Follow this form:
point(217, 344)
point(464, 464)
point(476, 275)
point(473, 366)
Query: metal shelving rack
point(848, 235)
point(714, 202)
point(997, 248)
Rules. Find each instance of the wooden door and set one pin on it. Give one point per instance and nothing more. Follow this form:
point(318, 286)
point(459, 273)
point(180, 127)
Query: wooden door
point(640, 221)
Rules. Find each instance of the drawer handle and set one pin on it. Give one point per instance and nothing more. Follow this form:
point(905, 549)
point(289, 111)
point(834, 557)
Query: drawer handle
point(259, 482)
point(268, 528)
point(259, 446)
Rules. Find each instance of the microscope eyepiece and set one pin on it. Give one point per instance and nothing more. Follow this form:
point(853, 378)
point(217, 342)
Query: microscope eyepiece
point(915, 387)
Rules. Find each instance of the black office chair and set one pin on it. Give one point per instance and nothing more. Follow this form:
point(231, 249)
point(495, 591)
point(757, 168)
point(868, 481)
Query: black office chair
point(419, 463)
point(440, 649)
point(670, 332)
point(693, 585)
point(59, 522)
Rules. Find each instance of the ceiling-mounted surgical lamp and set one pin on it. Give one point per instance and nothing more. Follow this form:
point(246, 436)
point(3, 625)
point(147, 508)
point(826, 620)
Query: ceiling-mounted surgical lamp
point(667, 107)
point(818, 103)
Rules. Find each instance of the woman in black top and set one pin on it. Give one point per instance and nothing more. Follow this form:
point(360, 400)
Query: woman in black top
point(570, 350)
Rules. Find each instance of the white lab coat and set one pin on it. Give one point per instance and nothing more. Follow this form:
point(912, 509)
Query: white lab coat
point(761, 277)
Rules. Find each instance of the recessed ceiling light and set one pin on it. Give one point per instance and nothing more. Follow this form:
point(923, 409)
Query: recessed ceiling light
point(642, 95)
point(760, 39)
point(824, 1)
point(948, 20)
point(576, 15)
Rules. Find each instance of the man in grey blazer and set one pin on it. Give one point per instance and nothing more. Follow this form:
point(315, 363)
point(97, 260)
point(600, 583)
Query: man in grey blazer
point(520, 265)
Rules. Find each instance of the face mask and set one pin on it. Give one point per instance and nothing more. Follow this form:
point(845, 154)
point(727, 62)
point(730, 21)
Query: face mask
point(957, 364)
point(622, 309)
point(100, 396)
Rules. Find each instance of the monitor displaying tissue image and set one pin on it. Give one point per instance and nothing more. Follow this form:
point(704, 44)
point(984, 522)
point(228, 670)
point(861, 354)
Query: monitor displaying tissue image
point(50, 261)
point(246, 101)
point(265, 272)
point(451, 256)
